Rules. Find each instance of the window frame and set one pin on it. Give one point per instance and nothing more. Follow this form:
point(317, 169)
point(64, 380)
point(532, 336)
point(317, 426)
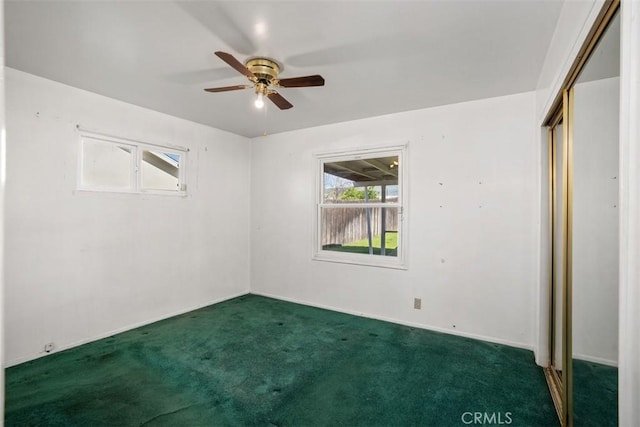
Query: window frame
point(136, 174)
point(320, 254)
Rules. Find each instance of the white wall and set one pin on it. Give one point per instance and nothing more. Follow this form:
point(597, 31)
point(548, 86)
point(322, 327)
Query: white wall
point(474, 267)
point(82, 265)
point(595, 221)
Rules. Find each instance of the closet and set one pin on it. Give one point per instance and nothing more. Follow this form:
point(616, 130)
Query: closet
point(583, 141)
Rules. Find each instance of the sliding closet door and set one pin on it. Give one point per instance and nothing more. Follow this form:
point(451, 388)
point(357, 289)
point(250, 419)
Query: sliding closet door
point(595, 99)
point(584, 140)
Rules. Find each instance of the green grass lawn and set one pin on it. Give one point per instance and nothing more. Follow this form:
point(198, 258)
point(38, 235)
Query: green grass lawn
point(362, 246)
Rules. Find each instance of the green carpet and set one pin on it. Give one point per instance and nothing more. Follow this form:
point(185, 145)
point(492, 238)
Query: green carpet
point(595, 394)
point(259, 361)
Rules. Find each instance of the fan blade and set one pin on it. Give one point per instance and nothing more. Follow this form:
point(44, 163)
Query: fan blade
point(279, 100)
point(227, 88)
point(235, 64)
point(305, 81)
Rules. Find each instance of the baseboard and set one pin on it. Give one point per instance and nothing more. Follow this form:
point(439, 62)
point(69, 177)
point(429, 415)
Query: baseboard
point(401, 322)
point(594, 359)
point(120, 330)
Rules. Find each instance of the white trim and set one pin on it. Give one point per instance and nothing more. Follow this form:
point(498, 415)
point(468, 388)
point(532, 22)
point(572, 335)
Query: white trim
point(401, 322)
point(111, 137)
point(88, 191)
point(629, 293)
point(362, 205)
point(3, 168)
point(541, 329)
point(366, 151)
point(400, 149)
point(360, 259)
point(123, 329)
point(136, 169)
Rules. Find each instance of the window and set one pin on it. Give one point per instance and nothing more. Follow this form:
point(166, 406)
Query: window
point(107, 164)
point(114, 164)
point(360, 204)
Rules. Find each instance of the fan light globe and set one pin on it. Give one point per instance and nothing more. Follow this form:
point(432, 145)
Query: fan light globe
point(259, 102)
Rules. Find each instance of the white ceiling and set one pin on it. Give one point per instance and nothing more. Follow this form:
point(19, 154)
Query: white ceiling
point(376, 57)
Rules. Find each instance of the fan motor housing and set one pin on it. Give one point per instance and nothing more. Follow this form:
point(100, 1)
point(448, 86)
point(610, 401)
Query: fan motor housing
point(263, 68)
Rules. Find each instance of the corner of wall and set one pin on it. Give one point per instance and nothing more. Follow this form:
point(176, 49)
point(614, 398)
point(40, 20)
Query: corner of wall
point(629, 334)
point(2, 180)
point(574, 24)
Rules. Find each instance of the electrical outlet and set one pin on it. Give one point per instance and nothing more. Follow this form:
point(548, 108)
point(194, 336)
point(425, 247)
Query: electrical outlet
point(49, 347)
point(417, 303)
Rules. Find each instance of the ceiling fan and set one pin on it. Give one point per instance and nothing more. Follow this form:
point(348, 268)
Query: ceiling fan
point(263, 74)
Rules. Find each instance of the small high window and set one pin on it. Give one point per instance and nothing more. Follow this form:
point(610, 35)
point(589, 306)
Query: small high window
point(113, 164)
point(360, 207)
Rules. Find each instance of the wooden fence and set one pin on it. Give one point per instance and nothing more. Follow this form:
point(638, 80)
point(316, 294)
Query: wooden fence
point(345, 225)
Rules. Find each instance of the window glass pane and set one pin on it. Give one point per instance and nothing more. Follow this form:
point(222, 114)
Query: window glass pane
point(391, 193)
point(160, 171)
point(345, 181)
point(106, 164)
point(360, 230)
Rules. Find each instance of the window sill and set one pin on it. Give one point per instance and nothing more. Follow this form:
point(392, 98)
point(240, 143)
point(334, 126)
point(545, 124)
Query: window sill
point(182, 194)
point(363, 260)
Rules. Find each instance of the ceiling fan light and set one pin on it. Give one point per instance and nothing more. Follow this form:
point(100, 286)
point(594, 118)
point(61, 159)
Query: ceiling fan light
point(259, 102)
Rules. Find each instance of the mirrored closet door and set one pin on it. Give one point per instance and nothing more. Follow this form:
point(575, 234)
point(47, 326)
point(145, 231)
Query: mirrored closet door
point(583, 197)
point(595, 99)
